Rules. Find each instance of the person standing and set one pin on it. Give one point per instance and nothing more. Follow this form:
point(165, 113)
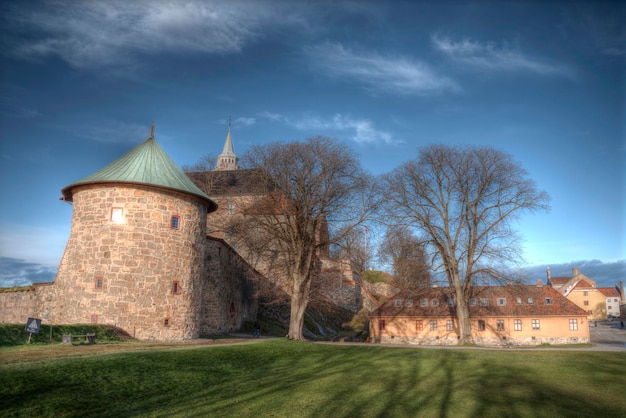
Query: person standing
point(257, 329)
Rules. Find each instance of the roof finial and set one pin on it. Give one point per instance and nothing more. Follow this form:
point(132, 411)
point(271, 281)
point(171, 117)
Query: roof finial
point(152, 131)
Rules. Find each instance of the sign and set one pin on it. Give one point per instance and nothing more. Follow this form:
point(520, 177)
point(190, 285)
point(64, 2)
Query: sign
point(33, 325)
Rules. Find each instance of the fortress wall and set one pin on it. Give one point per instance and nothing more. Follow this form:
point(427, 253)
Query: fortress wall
point(19, 304)
point(137, 259)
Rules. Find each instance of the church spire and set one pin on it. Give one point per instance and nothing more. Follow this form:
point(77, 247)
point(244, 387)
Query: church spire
point(227, 160)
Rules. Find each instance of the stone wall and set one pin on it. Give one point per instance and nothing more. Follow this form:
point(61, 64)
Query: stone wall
point(489, 342)
point(19, 304)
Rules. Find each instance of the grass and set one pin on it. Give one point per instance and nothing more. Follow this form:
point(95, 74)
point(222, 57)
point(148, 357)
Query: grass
point(280, 378)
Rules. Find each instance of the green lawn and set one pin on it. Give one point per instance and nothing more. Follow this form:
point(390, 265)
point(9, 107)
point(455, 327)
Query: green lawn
point(279, 378)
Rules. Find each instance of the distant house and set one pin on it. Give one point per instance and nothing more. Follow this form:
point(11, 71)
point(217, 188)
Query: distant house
point(500, 315)
point(583, 291)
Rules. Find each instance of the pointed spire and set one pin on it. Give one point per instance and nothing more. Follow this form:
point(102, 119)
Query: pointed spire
point(152, 131)
point(227, 160)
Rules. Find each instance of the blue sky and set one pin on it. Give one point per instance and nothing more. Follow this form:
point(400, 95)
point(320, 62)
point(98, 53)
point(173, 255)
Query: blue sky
point(82, 81)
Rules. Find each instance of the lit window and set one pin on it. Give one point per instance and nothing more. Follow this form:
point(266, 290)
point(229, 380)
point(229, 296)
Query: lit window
point(98, 283)
point(175, 222)
point(472, 301)
point(94, 319)
point(433, 325)
point(434, 302)
point(424, 302)
point(449, 325)
point(398, 302)
point(381, 324)
point(166, 322)
point(481, 325)
point(484, 301)
point(501, 301)
point(536, 325)
point(176, 287)
point(419, 325)
point(517, 325)
point(117, 215)
point(548, 301)
point(573, 325)
point(500, 324)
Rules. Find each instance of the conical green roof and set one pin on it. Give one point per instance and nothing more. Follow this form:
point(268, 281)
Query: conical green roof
point(148, 164)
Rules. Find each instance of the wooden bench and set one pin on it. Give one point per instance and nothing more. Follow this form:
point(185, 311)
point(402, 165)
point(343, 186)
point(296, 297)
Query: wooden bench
point(89, 338)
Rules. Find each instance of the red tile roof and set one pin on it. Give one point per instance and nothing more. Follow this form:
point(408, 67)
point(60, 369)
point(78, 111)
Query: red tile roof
point(609, 292)
point(584, 284)
point(559, 305)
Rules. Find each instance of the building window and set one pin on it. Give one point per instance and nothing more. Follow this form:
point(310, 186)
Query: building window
point(517, 324)
point(536, 325)
point(175, 222)
point(166, 322)
point(585, 293)
point(518, 300)
point(573, 325)
point(481, 325)
point(398, 302)
point(501, 301)
point(231, 208)
point(484, 301)
point(451, 302)
point(548, 301)
point(434, 302)
point(408, 302)
point(614, 300)
point(449, 325)
point(589, 312)
point(424, 302)
point(94, 318)
point(472, 301)
point(381, 324)
point(419, 325)
point(98, 283)
point(586, 302)
point(500, 324)
point(433, 324)
point(176, 287)
point(530, 301)
point(117, 215)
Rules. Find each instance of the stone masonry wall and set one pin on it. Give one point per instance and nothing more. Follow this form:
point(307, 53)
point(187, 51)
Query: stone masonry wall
point(137, 260)
point(32, 302)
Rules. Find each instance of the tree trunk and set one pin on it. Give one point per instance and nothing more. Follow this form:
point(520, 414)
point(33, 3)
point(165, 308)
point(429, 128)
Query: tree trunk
point(462, 314)
point(299, 302)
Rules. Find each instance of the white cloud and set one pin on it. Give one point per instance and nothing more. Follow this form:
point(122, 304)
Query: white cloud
point(488, 56)
point(98, 33)
point(398, 75)
point(115, 131)
point(241, 121)
point(357, 130)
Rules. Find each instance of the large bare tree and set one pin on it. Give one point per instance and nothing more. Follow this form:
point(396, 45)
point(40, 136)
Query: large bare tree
point(404, 251)
point(312, 186)
point(464, 201)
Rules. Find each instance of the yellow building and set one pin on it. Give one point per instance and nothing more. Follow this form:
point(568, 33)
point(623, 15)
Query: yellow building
point(583, 291)
point(500, 315)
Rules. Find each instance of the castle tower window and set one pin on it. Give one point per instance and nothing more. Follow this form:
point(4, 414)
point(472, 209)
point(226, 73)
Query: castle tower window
point(175, 222)
point(117, 215)
point(166, 322)
point(98, 283)
point(176, 287)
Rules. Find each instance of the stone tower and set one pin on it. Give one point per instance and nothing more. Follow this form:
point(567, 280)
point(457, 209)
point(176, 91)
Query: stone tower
point(227, 160)
point(135, 257)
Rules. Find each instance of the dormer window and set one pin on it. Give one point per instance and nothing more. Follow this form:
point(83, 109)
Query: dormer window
point(484, 301)
point(434, 302)
point(408, 302)
point(472, 301)
point(398, 302)
point(424, 302)
point(548, 301)
point(501, 301)
point(530, 301)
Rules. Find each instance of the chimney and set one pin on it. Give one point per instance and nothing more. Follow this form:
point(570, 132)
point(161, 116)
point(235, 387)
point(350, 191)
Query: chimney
point(621, 286)
point(575, 272)
point(539, 284)
point(549, 282)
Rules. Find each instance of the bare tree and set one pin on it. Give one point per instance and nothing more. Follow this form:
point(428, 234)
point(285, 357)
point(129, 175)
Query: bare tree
point(405, 253)
point(312, 186)
point(465, 201)
point(354, 246)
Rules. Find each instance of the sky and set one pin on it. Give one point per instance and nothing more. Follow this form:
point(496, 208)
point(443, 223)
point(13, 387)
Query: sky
point(81, 82)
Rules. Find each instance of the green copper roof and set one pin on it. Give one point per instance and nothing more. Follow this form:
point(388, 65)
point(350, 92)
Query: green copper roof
point(145, 164)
